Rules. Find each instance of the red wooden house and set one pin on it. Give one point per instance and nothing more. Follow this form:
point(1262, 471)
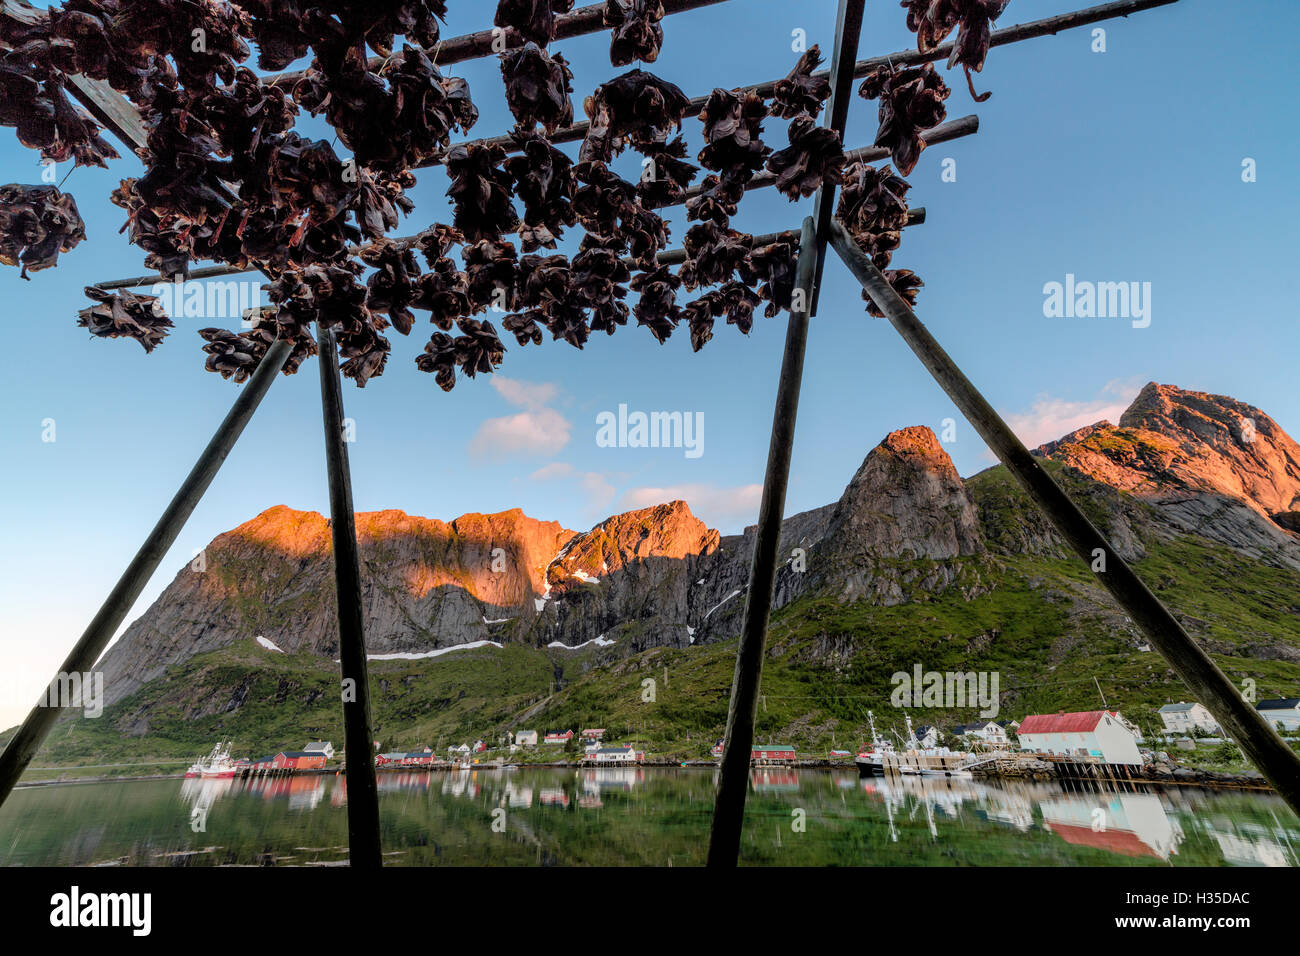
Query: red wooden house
point(299, 760)
point(772, 753)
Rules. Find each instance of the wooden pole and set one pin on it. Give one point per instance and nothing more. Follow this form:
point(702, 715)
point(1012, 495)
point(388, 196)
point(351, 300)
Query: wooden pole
point(1203, 677)
point(363, 791)
point(24, 745)
point(733, 783)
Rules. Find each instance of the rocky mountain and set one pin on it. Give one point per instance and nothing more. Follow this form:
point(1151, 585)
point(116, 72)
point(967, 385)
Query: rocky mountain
point(1210, 464)
point(907, 529)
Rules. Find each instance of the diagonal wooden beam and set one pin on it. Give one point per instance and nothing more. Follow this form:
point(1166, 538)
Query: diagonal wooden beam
point(81, 660)
point(1278, 762)
point(363, 802)
point(733, 780)
point(363, 793)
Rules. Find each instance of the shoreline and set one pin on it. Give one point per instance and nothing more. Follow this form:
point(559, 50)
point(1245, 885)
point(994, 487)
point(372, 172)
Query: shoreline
point(1208, 779)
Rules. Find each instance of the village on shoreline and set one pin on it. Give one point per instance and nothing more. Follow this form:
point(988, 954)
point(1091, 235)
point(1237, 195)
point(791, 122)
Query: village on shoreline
point(1100, 745)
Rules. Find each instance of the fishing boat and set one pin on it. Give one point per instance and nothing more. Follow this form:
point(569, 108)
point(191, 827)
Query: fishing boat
point(955, 772)
point(216, 764)
point(871, 760)
point(915, 760)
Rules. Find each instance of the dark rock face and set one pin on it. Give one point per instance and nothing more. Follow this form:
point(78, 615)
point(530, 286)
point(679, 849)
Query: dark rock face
point(906, 505)
point(906, 525)
point(646, 578)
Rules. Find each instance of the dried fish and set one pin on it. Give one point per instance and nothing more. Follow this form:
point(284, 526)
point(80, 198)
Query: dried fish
point(37, 223)
point(124, 314)
point(636, 33)
point(911, 101)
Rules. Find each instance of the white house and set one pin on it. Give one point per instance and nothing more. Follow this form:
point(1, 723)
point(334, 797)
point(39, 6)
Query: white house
point(1284, 713)
point(320, 747)
point(616, 755)
point(927, 737)
point(988, 731)
point(1183, 718)
point(525, 738)
point(1095, 733)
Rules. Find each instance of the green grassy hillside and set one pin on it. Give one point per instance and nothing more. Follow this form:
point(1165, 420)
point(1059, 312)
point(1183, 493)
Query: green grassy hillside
point(1040, 621)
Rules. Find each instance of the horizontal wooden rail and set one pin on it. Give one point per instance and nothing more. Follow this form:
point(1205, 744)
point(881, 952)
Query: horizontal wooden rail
point(943, 133)
point(474, 46)
point(1025, 31)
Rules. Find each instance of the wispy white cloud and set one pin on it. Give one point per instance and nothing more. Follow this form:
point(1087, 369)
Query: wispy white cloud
point(1050, 417)
point(538, 430)
point(596, 487)
point(525, 394)
point(556, 469)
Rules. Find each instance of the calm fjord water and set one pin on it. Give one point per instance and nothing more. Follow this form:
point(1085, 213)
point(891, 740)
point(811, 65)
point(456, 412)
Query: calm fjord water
point(642, 816)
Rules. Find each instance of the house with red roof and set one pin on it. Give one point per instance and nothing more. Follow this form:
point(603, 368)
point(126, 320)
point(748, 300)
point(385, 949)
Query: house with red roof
point(1091, 733)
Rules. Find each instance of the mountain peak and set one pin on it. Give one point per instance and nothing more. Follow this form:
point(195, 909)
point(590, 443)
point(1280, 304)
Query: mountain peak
point(667, 530)
point(1172, 441)
point(919, 446)
point(908, 500)
point(284, 529)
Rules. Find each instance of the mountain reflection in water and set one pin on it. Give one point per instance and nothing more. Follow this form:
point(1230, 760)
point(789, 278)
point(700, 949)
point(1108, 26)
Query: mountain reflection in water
point(643, 816)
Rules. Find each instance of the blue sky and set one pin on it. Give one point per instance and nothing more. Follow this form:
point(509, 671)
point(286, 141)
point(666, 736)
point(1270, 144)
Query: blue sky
point(1115, 166)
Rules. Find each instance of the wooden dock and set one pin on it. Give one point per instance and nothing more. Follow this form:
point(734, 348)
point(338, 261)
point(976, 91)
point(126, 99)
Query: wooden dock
point(911, 761)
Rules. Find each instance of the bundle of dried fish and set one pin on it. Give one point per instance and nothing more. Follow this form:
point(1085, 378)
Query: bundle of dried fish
point(801, 92)
point(665, 174)
point(637, 108)
point(543, 180)
point(481, 191)
point(774, 266)
point(598, 277)
point(393, 286)
point(232, 355)
point(534, 20)
point(734, 300)
point(391, 125)
point(733, 123)
point(477, 349)
point(33, 102)
point(713, 255)
point(444, 293)
point(539, 87)
point(911, 101)
point(636, 33)
point(873, 208)
point(657, 309)
point(37, 223)
point(933, 20)
point(118, 315)
point(490, 266)
point(599, 201)
point(545, 295)
point(813, 157)
point(904, 281)
point(204, 38)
